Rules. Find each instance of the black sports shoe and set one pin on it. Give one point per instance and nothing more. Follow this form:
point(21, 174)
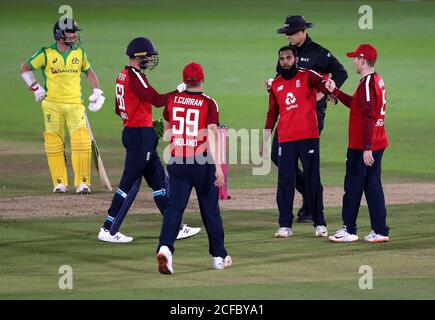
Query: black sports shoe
point(304, 215)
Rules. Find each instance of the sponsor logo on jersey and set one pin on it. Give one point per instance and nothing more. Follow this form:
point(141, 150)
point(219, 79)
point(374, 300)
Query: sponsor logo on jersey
point(54, 60)
point(298, 83)
point(305, 59)
point(56, 71)
point(280, 88)
point(379, 123)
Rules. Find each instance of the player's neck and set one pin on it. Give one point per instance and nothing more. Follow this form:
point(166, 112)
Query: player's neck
point(63, 47)
point(364, 73)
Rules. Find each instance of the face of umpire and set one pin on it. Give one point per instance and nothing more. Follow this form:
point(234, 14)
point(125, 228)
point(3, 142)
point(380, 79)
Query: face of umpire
point(297, 39)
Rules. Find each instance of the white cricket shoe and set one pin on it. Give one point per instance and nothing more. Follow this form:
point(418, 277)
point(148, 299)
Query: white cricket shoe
point(187, 232)
point(343, 236)
point(83, 188)
point(60, 188)
point(164, 259)
point(104, 235)
point(283, 232)
point(374, 237)
point(321, 231)
point(220, 263)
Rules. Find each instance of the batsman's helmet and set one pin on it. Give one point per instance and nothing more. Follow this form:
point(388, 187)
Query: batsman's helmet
point(143, 49)
point(66, 25)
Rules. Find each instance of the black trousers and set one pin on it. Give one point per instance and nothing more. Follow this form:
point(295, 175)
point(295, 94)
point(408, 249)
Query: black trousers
point(300, 180)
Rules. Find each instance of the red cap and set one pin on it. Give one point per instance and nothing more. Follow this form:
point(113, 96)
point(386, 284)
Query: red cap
point(365, 51)
point(193, 73)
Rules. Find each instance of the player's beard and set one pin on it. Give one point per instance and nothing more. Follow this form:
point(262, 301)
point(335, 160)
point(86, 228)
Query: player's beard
point(289, 72)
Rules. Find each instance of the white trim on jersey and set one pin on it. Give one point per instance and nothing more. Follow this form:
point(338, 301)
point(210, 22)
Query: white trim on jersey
point(317, 74)
point(217, 106)
point(367, 88)
point(140, 78)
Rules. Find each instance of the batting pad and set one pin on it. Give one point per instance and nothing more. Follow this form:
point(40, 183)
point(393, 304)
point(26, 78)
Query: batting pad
point(54, 149)
point(81, 156)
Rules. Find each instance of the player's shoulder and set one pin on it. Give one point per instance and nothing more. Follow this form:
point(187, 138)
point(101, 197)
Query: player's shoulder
point(210, 101)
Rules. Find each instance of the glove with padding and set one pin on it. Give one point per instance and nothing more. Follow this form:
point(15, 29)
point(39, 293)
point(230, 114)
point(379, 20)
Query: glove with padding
point(38, 91)
point(96, 100)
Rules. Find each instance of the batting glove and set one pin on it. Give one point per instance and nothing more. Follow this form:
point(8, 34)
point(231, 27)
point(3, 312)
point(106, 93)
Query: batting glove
point(181, 87)
point(97, 100)
point(38, 91)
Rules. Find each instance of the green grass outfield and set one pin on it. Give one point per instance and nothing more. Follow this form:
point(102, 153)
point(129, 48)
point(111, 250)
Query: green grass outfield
point(303, 267)
point(236, 41)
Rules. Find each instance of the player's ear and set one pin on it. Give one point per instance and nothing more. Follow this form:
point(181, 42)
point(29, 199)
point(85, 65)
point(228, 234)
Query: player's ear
point(297, 60)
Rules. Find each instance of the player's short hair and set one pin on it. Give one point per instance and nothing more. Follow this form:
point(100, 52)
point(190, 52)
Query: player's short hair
point(371, 63)
point(289, 47)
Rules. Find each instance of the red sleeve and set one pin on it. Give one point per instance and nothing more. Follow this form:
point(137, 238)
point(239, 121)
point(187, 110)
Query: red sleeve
point(317, 81)
point(366, 99)
point(272, 113)
point(140, 86)
point(212, 112)
point(343, 97)
point(166, 113)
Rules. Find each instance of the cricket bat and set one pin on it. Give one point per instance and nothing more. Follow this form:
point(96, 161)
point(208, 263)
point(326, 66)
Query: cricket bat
point(104, 179)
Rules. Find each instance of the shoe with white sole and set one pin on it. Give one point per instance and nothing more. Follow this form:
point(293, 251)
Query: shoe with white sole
point(187, 232)
point(374, 237)
point(343, 236)
point(60, 188)
point(83, 188)
point(164, 260)
point(104, 235)
point(220, 263)
point(283, 232)
point(321, 231)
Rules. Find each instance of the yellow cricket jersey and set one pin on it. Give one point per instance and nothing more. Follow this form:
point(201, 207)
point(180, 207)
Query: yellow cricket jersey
point(61, 72)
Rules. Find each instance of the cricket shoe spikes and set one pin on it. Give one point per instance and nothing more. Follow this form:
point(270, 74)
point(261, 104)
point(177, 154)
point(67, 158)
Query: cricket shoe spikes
point(220, 263)
point(60, 188)
point(321, 231)
point(343, 236)
point(375, 237)
point(83, 188)
point(283, 232)
point(164, 260)
point(104, 235)
point(187, 232)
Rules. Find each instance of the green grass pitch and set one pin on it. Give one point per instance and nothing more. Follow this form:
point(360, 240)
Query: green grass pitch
point(236, 42)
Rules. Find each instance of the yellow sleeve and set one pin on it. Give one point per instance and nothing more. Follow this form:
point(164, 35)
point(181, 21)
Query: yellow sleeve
point(86, 66)
point(38, 60)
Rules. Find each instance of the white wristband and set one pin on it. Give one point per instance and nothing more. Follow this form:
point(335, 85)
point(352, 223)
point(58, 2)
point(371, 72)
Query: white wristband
point(28, 77)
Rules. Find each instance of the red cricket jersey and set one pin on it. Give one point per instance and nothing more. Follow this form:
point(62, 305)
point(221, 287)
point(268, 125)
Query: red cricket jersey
point(367, 114)
point(135, 98)
point(189, 114)
point(294, 100)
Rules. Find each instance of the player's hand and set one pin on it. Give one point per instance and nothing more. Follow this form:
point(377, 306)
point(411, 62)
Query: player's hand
point(220, 178)
point(181, 87)
point(331, 98)
point(158, 126)
point(264, 151)
point(330, 85)
point(38, 91)
point(268, 84)
point(96, 100)
point(368, 158)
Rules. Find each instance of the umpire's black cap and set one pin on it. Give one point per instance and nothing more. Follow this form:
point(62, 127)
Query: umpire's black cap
point(294, 24)
point(140, 47)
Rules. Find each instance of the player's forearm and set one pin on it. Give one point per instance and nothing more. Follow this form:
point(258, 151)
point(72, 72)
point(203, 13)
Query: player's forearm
point(93, 80)
point(213, 143)
point(343, 97)
point(27, 75)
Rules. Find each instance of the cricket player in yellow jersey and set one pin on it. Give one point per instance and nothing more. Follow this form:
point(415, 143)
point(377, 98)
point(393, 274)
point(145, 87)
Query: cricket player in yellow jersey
point(61, 65)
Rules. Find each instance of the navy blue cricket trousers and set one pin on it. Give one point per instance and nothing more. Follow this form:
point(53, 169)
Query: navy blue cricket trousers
point(288, 154)
point(184, 177)
point(141, 160)
point(361, 178)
